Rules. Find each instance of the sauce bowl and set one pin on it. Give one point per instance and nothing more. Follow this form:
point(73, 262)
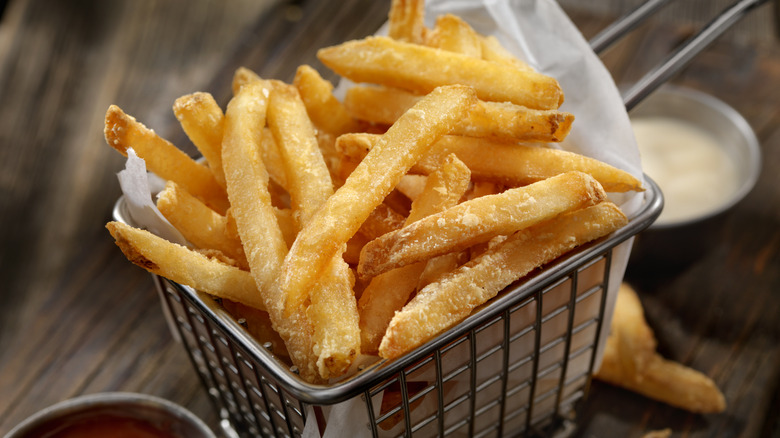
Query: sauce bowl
point(116, 414)
point(684, 239)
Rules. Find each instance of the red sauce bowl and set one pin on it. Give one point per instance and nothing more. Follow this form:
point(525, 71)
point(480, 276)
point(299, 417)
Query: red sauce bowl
point(114, 414)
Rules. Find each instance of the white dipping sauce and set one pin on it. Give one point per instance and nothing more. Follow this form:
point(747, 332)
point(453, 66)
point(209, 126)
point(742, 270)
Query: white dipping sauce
point(689, 165)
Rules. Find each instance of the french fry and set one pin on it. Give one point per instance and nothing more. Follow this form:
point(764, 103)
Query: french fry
point(269, 151)
point(373, 179)
point(405, 20)
point(499, 120)
point(333, 313)
point(163, 158)
point(387, 293)
point(333, 310)
point(264, 245)
point(635, 341)
point(452, 33)
point(479, 220)
point(200, 225)
point(436, 267)
point(444, 303)
point(185, 266)
point(243, 76)
point(283, 218)
point(510, 164)
point(325, 111)
point(378, 104)
point(202, 120)
point(506, 121)
point(420, 69)
point(631, 361)
point(308, 178)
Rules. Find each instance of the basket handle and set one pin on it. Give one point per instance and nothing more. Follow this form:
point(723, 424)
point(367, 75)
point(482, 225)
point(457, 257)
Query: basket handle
point(676, 60)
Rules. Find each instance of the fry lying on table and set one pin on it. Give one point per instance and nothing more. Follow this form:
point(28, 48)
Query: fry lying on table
point(631, 361)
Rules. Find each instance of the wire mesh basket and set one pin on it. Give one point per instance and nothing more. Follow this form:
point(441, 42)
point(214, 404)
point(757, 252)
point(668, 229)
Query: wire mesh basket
point(516, 366)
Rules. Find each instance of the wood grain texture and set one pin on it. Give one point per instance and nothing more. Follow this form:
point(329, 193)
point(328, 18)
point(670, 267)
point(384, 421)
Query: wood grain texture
point(78, 318)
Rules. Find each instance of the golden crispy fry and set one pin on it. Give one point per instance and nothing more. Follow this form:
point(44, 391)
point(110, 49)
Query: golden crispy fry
point(436, 267)
point(443, 189)
point(648, 373)
point(420, 69)
point(185, 266)
point(202, 120)
point(269, 151)
point(264, 245)
point(378, 104)
point(243, 76)
point(453, 34)
point(517, 164)
point(333, 310)
point(510, 164)
point(446, 302)
point(636, 341)
point(479, 220)
point(372, 180)
point(504, 120)
point(405, 20)
point(326, 112)
point(666, 381)
point(200, 225)
point(492, 50)
point(163, 158)
point(507, 121)
point(333, 313)
point(308, 178)
point(387, 293)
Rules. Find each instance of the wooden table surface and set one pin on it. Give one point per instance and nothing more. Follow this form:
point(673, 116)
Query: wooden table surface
point(77, 317)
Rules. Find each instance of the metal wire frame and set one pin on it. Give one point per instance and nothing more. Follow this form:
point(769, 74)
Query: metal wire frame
point(681, 56)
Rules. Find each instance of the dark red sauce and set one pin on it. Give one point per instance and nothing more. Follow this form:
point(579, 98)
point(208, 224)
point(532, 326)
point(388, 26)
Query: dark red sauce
point(101, 425)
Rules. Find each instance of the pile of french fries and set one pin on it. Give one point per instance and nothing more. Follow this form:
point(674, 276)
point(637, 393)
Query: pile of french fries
point(368, 225)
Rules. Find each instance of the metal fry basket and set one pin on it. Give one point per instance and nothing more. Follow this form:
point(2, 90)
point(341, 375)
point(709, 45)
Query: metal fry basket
point(515, 367)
